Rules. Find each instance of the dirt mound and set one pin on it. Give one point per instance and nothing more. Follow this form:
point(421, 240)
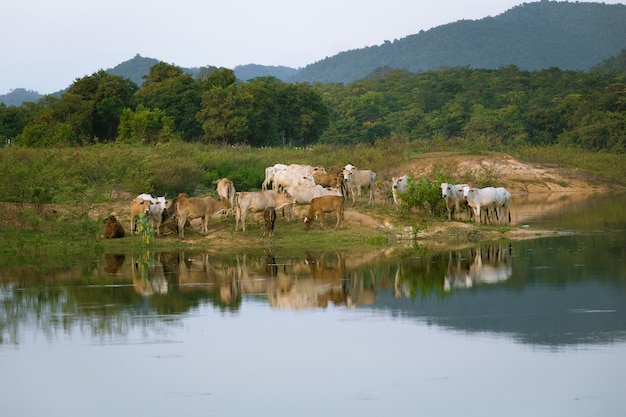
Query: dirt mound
point(501, 170)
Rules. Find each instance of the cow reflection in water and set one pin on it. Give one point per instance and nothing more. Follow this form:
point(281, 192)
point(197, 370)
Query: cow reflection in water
point(113, 262)
point(326, 284)
point(199, 270)
point(148, 276)
point(489, 264)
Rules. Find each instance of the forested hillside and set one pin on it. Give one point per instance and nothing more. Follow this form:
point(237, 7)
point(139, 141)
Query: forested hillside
point(473, 108)
point(532, 36)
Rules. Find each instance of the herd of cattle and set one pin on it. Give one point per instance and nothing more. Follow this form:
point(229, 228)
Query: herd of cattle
point(323, 190)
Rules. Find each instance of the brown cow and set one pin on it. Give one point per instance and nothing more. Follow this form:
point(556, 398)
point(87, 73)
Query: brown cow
point(138, 207)
point(327, 180)
point(324, 204)
point(270, 218)
point(112, 228)
point(189, 208)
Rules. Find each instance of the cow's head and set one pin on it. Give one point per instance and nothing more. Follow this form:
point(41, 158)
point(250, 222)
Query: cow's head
point(111, 219)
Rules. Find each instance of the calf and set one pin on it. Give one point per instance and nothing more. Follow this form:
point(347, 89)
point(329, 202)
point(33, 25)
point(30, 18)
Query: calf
point(270, 218)
point(325, 204)
point(383, 189)
point(112, 228)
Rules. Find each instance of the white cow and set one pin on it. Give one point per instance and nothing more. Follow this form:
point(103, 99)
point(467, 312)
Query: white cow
point(357, 179)
point(399, 184)
point(305, 169)
point(503, 205)
point(286, 179)
point(303, 194)
point(481, 199)
point(156, 209)
point(453, 196)
point(269, 174)
point(256, 202)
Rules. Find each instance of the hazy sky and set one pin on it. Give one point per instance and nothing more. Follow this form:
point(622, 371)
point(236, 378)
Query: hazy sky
point(46, 44)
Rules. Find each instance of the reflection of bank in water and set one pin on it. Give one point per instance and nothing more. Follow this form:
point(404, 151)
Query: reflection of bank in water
point(488, 264)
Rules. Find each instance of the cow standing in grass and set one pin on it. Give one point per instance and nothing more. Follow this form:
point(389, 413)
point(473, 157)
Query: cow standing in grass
point(325, 204)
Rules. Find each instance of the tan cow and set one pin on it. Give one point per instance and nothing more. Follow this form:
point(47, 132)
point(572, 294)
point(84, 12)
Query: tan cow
point(138, 207)
point(325, 204)
point(226, 190)
point(189, 208)
point(258, 201)
point(112, 228)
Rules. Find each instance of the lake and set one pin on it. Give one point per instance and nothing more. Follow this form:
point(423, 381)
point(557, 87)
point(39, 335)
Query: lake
point(522, 328)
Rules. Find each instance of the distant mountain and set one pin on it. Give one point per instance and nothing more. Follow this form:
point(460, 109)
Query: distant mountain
point(532, 36)
point(134, 69)
point(613, 64)
point(19, 96)
point(247, 72)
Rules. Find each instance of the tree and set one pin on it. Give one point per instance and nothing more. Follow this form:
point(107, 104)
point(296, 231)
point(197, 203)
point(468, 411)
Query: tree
point(166, 87)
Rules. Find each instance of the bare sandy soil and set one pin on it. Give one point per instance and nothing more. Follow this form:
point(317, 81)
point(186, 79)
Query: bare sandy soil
point(516, 176)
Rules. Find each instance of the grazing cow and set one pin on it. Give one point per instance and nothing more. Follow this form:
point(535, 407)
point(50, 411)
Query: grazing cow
point(357, 179)
point(481, 199)
point(258, 201)
point(226, 190)
point(285, 179)
point(503, 205)
point(325, 204)
point(138, 207)
point(304, 194)
point(399, 185)
point(270, 218)
point(157, 207)
point(383, 189)
point(112, 228)
point(453, 196)
point(189, 208)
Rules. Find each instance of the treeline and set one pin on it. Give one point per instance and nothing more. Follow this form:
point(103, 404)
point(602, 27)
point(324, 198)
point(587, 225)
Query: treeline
point(471, 108)
point(482, 109)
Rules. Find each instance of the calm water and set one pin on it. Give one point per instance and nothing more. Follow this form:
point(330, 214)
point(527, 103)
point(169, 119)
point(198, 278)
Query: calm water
point(524, 328)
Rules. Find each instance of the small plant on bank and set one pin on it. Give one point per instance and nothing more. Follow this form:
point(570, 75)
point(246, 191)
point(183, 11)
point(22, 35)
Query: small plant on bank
point(145, 229)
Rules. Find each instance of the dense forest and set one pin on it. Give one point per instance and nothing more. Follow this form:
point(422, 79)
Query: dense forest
point(474, 108)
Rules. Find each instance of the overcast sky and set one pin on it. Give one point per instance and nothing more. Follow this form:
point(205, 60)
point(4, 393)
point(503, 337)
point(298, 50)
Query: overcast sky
point(46, 45)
